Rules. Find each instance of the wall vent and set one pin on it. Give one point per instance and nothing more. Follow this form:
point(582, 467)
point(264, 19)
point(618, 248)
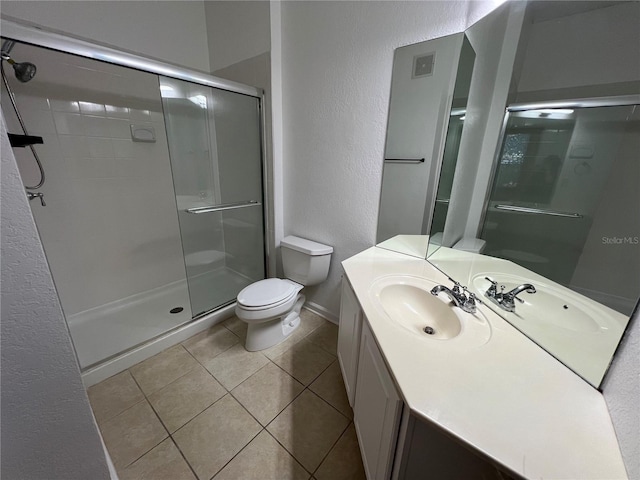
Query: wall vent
point(423, 65)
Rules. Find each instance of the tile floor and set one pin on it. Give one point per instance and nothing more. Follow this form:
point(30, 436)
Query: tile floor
point(208, 409)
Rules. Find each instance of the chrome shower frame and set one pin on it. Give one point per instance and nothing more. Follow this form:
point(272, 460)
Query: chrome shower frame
point(12, 30)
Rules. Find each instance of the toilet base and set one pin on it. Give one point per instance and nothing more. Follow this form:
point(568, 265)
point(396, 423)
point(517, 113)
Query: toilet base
point(267, 334)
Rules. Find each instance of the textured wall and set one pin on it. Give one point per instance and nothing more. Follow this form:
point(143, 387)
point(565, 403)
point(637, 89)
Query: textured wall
point(621, 391)
point(336, 67)
point(173, 31)
point(48, 430)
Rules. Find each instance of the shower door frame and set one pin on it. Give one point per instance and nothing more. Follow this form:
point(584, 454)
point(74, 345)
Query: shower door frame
point(66, 44)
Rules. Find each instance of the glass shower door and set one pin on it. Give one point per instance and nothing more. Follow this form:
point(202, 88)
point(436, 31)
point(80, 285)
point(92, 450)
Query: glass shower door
point(215, 148)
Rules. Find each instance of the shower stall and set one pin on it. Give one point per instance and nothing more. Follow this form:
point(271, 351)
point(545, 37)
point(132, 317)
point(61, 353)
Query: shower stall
point(154, 195)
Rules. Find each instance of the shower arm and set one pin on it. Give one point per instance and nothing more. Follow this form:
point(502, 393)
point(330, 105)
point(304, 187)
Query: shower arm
point(12, 98)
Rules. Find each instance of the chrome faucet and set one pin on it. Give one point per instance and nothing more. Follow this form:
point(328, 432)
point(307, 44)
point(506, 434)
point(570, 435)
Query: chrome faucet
point(506, 301)
point(458, 295)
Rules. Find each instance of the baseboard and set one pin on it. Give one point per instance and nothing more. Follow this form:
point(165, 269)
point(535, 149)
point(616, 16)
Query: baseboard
point(322, 312)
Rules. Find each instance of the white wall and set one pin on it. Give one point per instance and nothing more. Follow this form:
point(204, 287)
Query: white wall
point(337, 60)
point(173, 31)
point(48, 430)
point(237, 30)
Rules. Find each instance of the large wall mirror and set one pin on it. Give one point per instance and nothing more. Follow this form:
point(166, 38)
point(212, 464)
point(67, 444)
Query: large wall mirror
point(539, 176)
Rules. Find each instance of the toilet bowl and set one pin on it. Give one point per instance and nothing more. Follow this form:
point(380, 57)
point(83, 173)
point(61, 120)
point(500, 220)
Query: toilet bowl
point(271, 307)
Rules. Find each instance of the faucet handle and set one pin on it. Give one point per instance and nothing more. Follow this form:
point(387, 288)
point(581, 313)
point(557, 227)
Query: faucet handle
point(493, 282)
point(40, 195)
point(473, 298)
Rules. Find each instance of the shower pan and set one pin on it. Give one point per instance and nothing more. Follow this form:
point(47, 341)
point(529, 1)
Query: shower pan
point(154, 217)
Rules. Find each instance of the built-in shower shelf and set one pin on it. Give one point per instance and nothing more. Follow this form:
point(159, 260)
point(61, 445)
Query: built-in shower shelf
point(21, 141)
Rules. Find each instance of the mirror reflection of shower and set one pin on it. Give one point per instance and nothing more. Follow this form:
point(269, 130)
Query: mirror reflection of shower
point(24, 72)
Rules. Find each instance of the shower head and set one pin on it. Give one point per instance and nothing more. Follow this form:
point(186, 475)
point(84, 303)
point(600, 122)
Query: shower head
point(24, 71)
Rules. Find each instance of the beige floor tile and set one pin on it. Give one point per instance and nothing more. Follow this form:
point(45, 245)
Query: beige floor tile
point(215, 436)
point(263, 459)
point(162, 369)
point(237, 326)
point(326, 337)
point(267, 392)
point(234, 366)
point(164, 462)
point(304, 361)
point(330, 387)
point(308, 428)
point(212, 342)
point(180, 401)
point(308, 323)
point(344, 461)
point(114, 395)
point(131, 434)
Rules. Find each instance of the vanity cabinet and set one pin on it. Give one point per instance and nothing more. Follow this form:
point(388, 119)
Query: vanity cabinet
point(349, 338)
point(377, 409)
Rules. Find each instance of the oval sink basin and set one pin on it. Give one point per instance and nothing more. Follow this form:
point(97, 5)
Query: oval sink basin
point(420, 311)
point(561, 309)
point(408, 302)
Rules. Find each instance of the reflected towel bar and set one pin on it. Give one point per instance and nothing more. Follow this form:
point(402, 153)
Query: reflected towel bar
point(404, 160)
point(223, 206)
point(537, 211)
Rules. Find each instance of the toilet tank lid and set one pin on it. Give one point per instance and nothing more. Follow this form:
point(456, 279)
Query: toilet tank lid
point(305, 246)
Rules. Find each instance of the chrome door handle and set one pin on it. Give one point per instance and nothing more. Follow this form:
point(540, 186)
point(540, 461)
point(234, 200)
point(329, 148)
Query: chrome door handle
point(223, 206)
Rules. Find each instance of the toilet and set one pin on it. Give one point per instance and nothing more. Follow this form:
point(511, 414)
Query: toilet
point(271, 307)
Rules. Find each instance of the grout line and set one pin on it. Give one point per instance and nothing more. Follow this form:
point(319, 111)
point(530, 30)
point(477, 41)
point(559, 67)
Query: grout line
point(238, 453)
point(331, 449)
point(285, 449)
point(183, 457)
point(245, 408)
point(328, 403)
point(191, 420)
point(146, 399)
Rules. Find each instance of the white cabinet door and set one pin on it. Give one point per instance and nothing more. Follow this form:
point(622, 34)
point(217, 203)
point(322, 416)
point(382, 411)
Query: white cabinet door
point(377, 409)
point(349, 338)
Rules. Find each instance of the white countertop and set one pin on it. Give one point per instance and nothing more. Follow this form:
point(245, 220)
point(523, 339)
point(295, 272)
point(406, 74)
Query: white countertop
point(507, 398)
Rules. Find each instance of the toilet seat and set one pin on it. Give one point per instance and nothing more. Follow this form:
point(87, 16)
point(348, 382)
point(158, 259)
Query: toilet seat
point(267, 293)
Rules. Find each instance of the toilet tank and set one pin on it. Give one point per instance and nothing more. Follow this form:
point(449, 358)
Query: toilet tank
point(304, 261)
